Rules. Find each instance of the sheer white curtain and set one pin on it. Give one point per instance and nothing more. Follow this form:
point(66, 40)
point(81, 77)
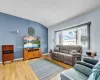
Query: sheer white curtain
point(58, 39)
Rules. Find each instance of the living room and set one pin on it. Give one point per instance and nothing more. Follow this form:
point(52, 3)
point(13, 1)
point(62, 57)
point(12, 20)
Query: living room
point(49, 40)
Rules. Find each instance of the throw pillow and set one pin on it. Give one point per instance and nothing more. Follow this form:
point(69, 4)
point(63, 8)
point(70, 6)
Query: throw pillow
point(56, 49)
point(73, 52)
point(95, 72)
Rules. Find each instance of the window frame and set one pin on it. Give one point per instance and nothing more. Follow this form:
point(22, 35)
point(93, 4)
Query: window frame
point(88, 24)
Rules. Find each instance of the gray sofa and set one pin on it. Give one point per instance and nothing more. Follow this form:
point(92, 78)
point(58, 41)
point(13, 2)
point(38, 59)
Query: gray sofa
point(81, 71)
point(69, 54)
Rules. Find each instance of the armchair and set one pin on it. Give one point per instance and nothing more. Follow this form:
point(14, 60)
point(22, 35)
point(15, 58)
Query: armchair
point(81, 70)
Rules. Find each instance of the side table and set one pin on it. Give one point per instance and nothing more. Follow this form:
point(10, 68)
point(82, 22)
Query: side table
point(91, 54)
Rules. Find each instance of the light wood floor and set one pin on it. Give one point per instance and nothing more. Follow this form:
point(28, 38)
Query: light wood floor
point(20, 70)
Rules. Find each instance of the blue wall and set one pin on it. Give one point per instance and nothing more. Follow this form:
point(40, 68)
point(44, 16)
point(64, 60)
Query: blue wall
point(10, 23)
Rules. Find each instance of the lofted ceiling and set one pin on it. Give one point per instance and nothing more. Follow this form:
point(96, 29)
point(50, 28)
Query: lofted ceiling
point(47, 12)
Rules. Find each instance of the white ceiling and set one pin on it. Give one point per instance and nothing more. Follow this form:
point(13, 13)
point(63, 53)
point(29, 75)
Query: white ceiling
point(47, 12)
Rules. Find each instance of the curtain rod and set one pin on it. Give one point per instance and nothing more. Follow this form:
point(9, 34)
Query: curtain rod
point(88, 23)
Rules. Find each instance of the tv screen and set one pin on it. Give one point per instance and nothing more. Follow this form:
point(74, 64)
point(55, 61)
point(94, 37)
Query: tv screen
point(31, 42)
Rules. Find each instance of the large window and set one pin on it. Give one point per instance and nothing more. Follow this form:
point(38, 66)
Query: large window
point(79, 35)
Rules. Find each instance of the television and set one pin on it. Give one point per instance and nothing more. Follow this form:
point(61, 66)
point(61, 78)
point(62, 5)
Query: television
point(31, 42)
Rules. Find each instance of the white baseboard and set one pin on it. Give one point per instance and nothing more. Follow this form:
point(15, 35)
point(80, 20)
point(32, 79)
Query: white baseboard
point(18, 59)
point(14, 60)
point(0, 62)
point(45, 54)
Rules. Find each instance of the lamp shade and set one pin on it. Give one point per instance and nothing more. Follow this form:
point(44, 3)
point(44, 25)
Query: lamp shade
point(84, 38)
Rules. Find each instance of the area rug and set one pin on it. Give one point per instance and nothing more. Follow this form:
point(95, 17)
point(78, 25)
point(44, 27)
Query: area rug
point(45, 69)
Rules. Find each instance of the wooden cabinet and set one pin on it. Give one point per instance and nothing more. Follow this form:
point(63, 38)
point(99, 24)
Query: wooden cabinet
point(7, 53)
point(32, 53)
point(36, 54)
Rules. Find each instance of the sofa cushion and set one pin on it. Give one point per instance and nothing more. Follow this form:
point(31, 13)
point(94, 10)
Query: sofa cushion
point(90, 60)
point(60, 56)
point(85, 64)
point(73, 74)
point(54, 55)
point(67, 57)
point(83, 69)
point(64, 51)
point(95, 72)
point(76, 47)
point(64, 47)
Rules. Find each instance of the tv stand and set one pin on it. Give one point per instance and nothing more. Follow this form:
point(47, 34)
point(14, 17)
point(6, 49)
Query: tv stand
point(30, 53)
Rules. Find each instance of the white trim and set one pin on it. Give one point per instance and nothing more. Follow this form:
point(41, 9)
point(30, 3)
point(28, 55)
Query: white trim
point(0, 62)
point(18, 59)
point(45, 54)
